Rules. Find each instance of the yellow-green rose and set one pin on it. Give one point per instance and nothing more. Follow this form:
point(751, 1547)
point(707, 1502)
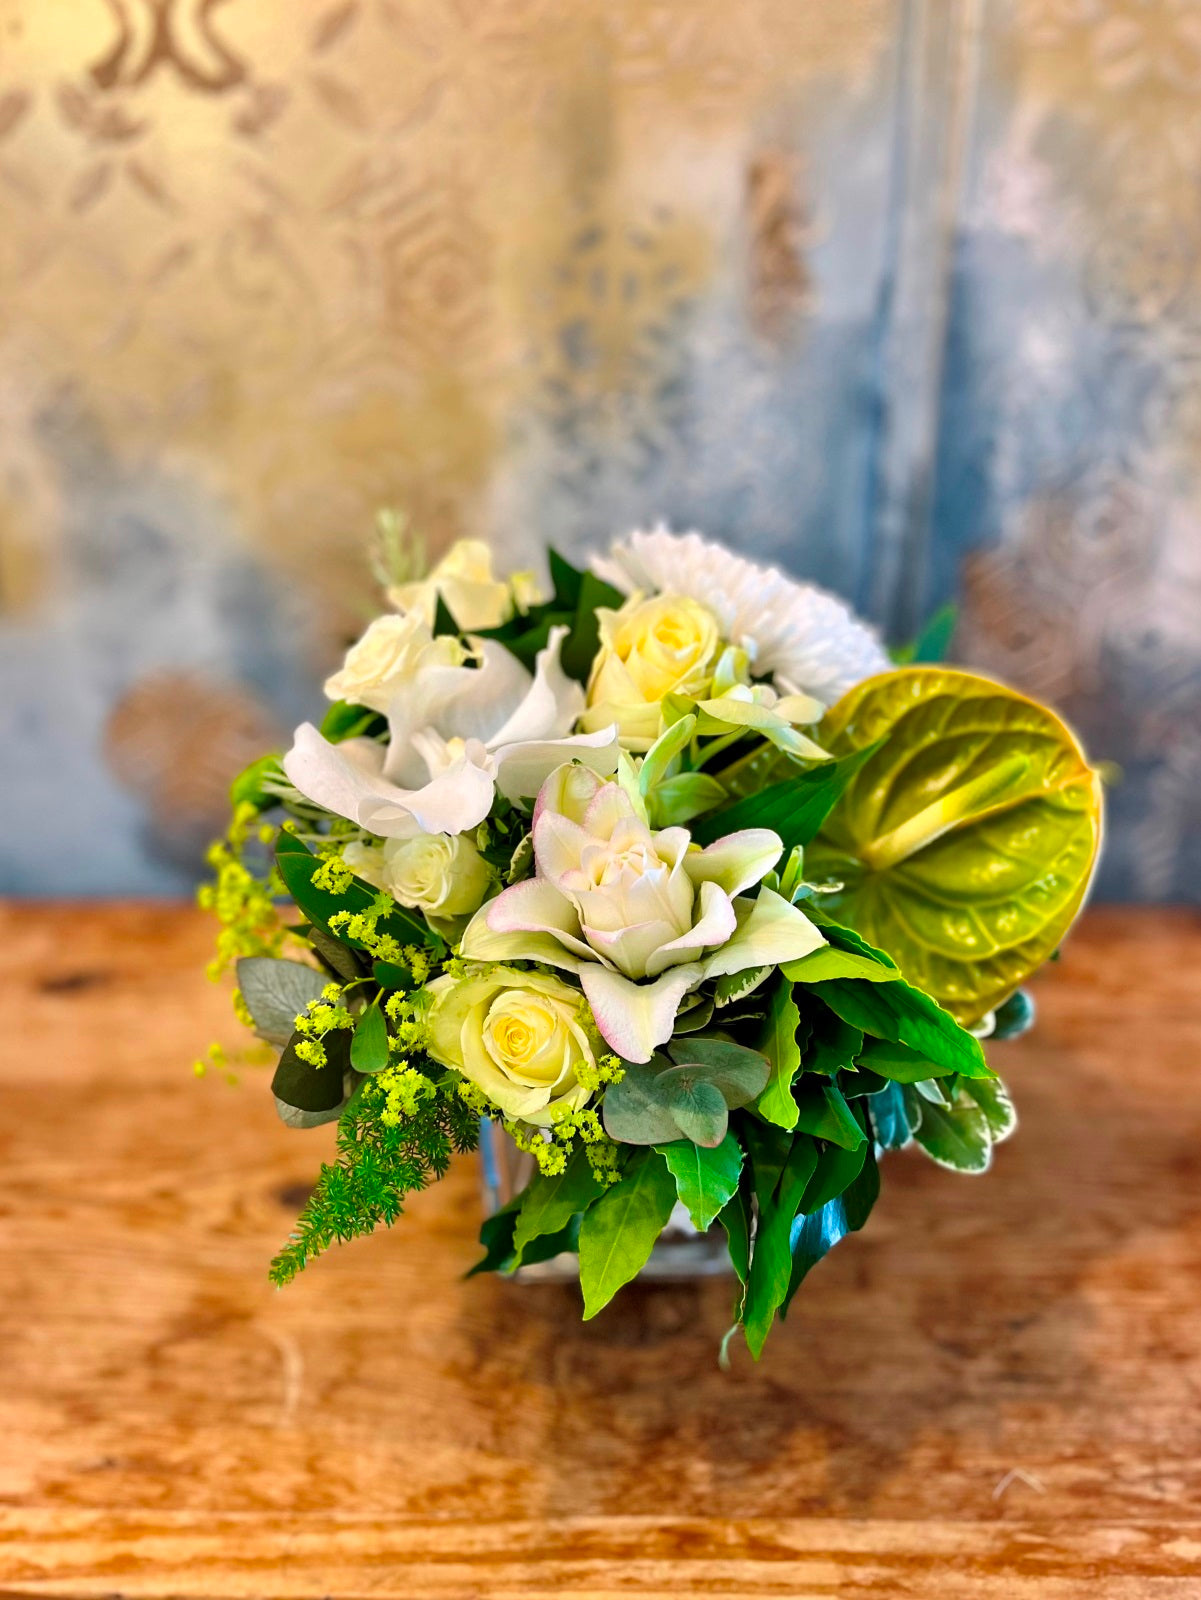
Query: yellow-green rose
point(518, 1035)
point(442, 874)
point(648, 650)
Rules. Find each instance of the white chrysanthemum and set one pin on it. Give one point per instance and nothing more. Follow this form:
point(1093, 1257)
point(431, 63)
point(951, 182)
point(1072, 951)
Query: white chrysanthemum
point(808, 640)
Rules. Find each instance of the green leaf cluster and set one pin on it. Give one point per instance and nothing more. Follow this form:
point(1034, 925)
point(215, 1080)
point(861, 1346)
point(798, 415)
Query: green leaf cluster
point(573, 605)
point(686, 1091)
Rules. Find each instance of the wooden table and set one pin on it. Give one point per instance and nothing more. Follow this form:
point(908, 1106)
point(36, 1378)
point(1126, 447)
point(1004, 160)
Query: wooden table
point(994, 1391)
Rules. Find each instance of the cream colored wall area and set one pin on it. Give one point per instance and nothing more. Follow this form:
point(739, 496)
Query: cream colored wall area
point(863, 287)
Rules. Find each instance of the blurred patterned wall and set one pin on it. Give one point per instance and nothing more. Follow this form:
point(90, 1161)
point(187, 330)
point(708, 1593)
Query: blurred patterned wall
point(902, 293)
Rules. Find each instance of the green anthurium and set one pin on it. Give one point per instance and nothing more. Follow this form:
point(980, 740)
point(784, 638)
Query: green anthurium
point(966, 841)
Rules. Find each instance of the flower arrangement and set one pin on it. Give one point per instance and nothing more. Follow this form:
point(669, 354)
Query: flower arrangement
point(674, 874)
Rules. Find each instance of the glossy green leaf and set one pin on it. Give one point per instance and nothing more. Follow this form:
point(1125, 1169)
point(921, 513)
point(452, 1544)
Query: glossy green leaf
point(966, 841)
point(828, 962)
point(992, 1098)
point(815, 1234)
point(771, 1258)
point(893, 1121)
point(678, 800)
point(550, 1202)
point(933, 641)
point(496, 1236)
point(706, 1179)
point(276, 991)
point(795, 808)
point(767, 1148)
point(832, 1044)
point(955, 1136)
point(1015, 1016)
point(903, 1014)
point(247, 788)
point(735, 1218)
point(619, 1230)
point(309, 1088)
point(781, 1047)
point(823, 1112)
point(297, 864)
point(836, 1170)
point(897, 1063)
point(369, 1047)
point(346, 721)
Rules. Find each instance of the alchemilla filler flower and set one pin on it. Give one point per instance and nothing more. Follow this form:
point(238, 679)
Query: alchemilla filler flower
point(673, 874)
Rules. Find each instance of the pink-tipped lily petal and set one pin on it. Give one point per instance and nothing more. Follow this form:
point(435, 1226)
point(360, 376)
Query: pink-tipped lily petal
point(737, 861)
point(769, 932)
point(635, 1018)
point(717, 922)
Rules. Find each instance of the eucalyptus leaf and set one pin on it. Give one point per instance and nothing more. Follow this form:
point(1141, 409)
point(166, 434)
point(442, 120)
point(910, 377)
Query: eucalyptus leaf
point(966, 841)
point(276, 991)
point(619, 1230)
point(706, 1179)
point(739, 1073)
point(369, 1046)
point(697, 1108)
point(636, 1109)
point(550, 1202)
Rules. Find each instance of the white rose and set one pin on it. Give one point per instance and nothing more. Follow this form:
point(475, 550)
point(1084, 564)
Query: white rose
point(440, 874)
point(519, 1035)
point(390, 655)
point(474, 597)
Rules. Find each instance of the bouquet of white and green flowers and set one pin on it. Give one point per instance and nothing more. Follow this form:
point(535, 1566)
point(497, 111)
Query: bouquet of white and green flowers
point(674, 875)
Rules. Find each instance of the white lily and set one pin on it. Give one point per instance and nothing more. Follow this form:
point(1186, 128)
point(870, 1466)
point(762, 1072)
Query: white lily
point(642, 916)
point(458, 733)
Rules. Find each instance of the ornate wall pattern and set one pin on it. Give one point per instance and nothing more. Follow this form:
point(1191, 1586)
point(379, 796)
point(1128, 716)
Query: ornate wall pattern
point(900, 292)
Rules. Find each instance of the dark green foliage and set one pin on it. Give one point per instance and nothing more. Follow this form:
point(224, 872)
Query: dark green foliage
point(297, 866)
point(551, 1201)
point(820, 1230)
point(247, 788)
point(573, 605)
point(376, 1168)
point(795, 809)
point(341, 960)
point(1015, 1016)
point(346, 721)
point(444, 623)
point(497, 1234)
point(306, 1087)
point(900, 1013)
point(933, 642)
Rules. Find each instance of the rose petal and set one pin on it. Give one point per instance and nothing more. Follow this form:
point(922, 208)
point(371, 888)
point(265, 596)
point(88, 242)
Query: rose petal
point(716, 924)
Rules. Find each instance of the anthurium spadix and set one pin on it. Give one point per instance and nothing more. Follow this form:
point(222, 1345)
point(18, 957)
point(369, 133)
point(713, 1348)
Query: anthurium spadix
point(642, 916)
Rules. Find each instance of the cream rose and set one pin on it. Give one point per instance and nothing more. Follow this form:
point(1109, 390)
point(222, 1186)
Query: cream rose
point(649, 649)
point(443, 875)
point(518, 1035)
point(474, 598)
point(390, 656)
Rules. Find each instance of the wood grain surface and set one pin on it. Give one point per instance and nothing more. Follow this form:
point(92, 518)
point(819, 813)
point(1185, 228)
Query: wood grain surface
point(994, 1391)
